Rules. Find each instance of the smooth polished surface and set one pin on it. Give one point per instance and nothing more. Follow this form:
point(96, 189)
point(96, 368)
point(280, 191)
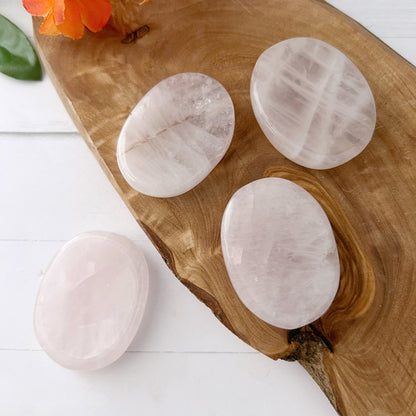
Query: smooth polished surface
point(312, 103)
point(280, 252)
point(91, 300)
point(176, 135)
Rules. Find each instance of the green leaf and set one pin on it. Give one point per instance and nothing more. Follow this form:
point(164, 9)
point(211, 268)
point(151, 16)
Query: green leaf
point(18, 59)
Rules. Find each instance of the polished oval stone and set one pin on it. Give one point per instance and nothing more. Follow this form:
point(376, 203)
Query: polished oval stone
point(280, 252)
point(312, 103)
point(176, 135)
point(91, 300)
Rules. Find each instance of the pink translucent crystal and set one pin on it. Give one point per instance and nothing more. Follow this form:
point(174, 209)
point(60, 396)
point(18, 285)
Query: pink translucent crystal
point(312, 103)
point(176, 135)
point(280, 252)
point(91, 300)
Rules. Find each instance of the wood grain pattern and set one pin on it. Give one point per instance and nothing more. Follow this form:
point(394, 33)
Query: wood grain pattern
point(362, 351)
point(126, 15)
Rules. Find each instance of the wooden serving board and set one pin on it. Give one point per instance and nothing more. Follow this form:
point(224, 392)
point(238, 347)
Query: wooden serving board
point(363, 351)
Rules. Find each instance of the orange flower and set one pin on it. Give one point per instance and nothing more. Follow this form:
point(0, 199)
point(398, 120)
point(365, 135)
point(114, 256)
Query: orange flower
point(70, 16)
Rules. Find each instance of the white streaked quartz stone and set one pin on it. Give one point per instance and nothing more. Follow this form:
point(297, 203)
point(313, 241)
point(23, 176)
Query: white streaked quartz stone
point(91, 300)
point(176, 135)
point(312, 103)
point(280, 252)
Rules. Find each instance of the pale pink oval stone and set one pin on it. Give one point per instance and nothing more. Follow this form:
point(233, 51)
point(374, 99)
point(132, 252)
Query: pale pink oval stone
point(176, 135)
point(91, 300)
point(280, 252)
point(312, 103)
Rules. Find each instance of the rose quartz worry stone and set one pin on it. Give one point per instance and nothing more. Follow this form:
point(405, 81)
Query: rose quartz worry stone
point(176, 135)
point(91, 300)
point(280, 252)
point(312, 103)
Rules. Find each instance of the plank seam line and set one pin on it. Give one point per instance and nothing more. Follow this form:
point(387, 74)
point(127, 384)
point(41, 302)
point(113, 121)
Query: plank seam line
point(148, 351)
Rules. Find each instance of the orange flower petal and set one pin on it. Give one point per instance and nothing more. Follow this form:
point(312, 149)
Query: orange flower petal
point(59, 10)
point(72, 25)
point(95, 13)
point(38, 7)
point(48, 26)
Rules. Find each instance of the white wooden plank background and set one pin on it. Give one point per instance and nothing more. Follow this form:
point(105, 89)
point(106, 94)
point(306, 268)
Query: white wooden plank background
point(182, 361)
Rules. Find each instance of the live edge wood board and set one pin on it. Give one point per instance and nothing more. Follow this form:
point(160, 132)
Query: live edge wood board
point(363, 351)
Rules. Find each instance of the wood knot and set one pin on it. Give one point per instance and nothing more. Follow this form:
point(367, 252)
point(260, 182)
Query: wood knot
point(311, 345)
point(136, 34)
